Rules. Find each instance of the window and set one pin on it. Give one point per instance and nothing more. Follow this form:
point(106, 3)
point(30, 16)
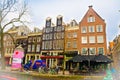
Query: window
point(84, 40)
point(62, 35)
point(74, 44)
point(59, 35)
point(92, 51)
point(68, 44)
point(100, 50)
point(51, 29)
point(33, 48)
point(84, 51)
point(47, 36)
point(91, 29)
point(69, 35)
point(38, 39)
point(54, 44)
point(100, 39)
point(50, 37)
point(47, 45)
point(74, 35)
point(29, 48)
point(91, 39)
point(55, 34)
point(47, 30)
point(48, 23)
point(99, 28)
point(34, 39)
point(91, 19)
point(29, 39)
point(43, 36)
point(59, 22)
point(59, 28)
point(73, 23)
point(55, 28)
point(62, 44)
point(43, 45)
point(83, 29)
point(38, 48)
point(50, 44)
point(57, 45)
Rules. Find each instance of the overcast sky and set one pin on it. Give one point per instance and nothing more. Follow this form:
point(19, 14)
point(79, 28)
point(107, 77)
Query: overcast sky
point(76, 9)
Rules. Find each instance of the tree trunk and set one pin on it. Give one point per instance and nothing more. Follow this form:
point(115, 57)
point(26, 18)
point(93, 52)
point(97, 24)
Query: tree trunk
point(3, 67)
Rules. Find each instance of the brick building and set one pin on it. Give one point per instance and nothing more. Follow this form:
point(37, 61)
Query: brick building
point(92, 33)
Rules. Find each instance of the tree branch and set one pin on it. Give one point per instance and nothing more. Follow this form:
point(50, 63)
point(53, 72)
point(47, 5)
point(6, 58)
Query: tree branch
point(22, 12)
point(11, 37)
point(8, 8)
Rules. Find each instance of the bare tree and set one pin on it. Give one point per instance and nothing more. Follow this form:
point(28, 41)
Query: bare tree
point(8, 8)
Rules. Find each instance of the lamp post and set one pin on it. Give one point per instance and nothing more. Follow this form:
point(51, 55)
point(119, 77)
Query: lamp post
point(89, 61)
point(64, 52)
point(119, 11)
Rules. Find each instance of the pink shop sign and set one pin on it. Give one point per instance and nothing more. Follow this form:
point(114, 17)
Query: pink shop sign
point(17, 59)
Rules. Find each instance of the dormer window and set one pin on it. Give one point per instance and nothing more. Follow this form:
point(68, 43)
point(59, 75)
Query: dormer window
point(59, 20)
point(91, 19)
point(48, 22)
point(73, 23)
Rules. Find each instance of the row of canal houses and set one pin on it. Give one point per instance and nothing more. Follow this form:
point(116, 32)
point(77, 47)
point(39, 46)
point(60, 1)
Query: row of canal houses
point(60, 41)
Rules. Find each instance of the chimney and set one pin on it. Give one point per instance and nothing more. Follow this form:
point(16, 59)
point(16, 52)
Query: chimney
point(90, 6)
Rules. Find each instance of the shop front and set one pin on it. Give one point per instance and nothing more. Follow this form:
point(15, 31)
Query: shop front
point(52, 58)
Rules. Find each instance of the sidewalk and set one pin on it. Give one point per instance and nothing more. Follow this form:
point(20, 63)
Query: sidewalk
point(9, 69)
point(58, 76)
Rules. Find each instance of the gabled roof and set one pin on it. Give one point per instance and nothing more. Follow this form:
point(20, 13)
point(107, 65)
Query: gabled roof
point(92, 11)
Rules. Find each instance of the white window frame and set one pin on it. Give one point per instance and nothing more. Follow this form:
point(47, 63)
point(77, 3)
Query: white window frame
point(91, 29)
point(29, 48)
point(91, 19)
point(84, 52)
point(33, 47)
point(83, 29)
point(91, 39)
point(92, 51)
point(100, 39)
point(84, 40)
point(38, 48)
point(99, 28)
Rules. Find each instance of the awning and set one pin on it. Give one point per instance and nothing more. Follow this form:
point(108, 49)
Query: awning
point(102, 58)
point(77, 58)
point(94, 58)
point(81, 58)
